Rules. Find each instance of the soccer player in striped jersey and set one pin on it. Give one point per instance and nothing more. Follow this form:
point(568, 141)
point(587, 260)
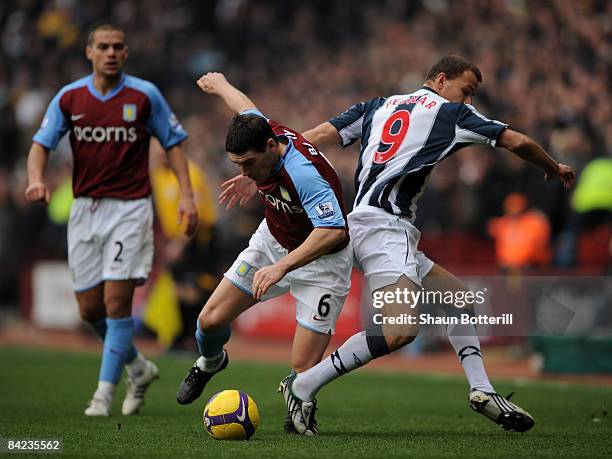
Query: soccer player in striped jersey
point(402, 138)
point(111, 117)
point(301, 246)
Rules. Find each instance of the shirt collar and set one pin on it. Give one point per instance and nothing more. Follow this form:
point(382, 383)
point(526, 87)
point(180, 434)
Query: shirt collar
point(430, 89)
point(94, 92)
point(288, 150)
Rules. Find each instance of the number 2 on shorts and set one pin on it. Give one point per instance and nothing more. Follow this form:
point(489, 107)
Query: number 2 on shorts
point(118, 256)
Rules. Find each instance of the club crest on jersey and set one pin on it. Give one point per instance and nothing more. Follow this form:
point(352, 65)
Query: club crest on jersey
point(325, 209)
point(129, 112)
point(285, 194)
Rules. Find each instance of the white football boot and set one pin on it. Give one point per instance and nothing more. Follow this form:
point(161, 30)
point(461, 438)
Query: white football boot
point(136, 388)
point(501, 411)
point(98, 406)
point(302, 413)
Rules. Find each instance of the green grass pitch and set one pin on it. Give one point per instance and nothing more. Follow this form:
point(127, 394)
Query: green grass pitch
point(365, 414)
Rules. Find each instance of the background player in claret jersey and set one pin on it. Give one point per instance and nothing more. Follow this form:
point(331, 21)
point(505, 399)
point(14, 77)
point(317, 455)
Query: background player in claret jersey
point(302, 245)
point(402, 138)
point(111, 117)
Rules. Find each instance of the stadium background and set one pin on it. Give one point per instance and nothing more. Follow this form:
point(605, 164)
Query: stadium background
point(547, 68)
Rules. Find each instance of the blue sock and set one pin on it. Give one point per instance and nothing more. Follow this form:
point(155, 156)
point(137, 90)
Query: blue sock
point(100, 328)
point(210, 343)
point(118, 348)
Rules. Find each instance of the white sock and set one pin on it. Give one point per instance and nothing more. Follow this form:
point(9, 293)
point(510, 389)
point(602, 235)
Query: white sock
point(105, 390)
point(210, 364)
point(353, 354)
point(467, 348)
point(136, 367)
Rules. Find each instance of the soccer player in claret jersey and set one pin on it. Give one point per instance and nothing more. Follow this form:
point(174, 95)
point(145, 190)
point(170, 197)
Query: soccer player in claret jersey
point(111, 117)
point(402, 138)
point(302, 245)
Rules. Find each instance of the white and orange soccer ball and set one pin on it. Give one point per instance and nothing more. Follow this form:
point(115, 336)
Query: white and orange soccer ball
point(231, 415)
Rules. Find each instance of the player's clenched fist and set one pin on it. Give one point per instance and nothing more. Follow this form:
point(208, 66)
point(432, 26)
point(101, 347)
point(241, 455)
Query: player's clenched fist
point(37, 192)
point(211, 82)
point(566, 174)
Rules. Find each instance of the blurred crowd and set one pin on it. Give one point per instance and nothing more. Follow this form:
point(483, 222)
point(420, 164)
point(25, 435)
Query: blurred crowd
point(546, 65)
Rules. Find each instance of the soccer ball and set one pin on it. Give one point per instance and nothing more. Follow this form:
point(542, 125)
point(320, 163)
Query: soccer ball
point(231, 415)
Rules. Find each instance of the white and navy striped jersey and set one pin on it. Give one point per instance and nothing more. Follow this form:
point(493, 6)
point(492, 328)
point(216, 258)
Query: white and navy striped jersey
point(402, 138)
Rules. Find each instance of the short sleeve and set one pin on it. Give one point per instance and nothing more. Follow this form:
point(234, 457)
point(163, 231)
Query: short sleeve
point(473, 127)
point(316, 195)
point(349, 123)
point(163, 123)
point(54, 125)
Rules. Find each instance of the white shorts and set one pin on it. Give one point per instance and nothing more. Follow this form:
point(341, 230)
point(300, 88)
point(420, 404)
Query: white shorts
point(110, 239)
point(385, 247)
point(319, 288)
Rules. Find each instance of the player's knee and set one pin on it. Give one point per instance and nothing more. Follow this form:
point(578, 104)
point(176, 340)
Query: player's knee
point(202, 322)
point(210, 319)
point(91, 315)
point(398, 336)
point(396, 342)
point(91, 307)
point(117, 307)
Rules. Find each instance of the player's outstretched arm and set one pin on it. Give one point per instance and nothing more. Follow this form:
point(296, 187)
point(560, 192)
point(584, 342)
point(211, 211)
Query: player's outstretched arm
point(216, 83)
point(529, 150)
point(323, 135)
point(37, 163)
point(187, 208)
point(319, 242)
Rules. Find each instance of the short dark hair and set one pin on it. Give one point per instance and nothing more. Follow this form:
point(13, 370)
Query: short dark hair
point(248, 132)
point(453, 66)
point(102, 28)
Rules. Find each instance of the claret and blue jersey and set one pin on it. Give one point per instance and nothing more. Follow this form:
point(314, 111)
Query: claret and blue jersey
point(402, 138)
point(303, 193)
point(110, 134)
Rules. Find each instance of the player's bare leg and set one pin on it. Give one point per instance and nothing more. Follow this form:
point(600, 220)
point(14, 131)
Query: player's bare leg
point(308, 348)
point(91, 307)
point(225, 304)
point(464, 339)
point(398, 335)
